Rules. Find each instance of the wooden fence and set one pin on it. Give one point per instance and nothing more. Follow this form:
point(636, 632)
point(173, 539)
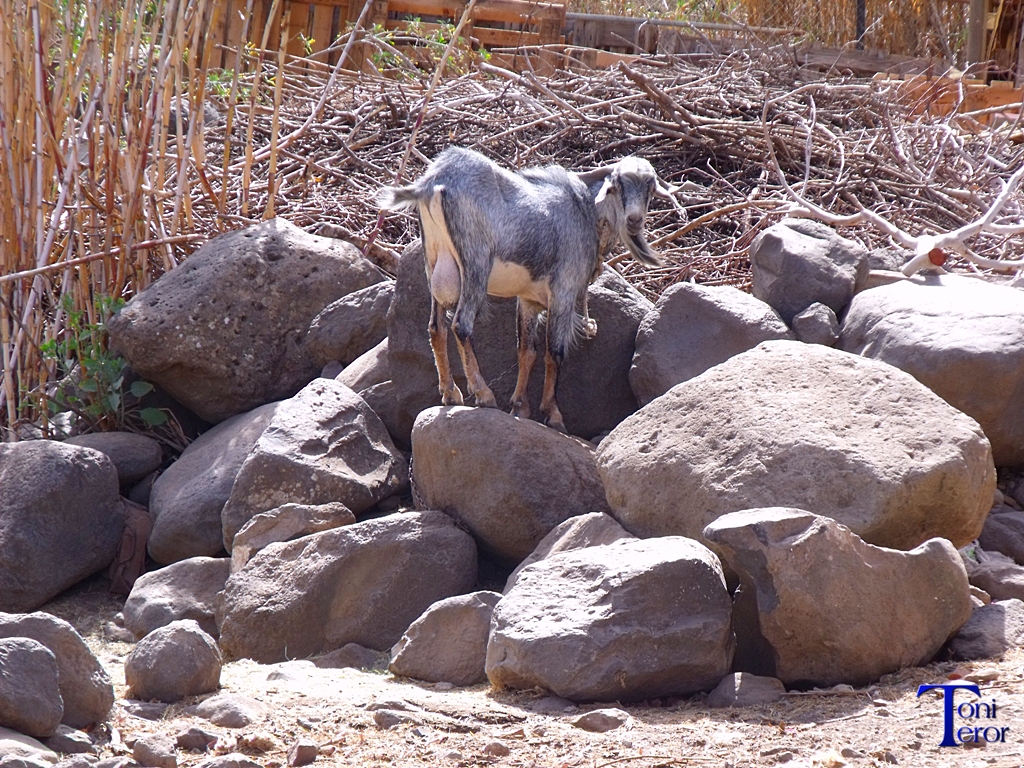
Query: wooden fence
point(313, 26)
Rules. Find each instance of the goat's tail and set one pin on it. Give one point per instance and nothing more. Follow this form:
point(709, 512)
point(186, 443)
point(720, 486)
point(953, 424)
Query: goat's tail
point(404, 198)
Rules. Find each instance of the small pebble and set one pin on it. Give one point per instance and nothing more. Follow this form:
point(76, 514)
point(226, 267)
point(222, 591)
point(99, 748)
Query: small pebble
point(601, 720)
point(497, 749)
point(302, 752)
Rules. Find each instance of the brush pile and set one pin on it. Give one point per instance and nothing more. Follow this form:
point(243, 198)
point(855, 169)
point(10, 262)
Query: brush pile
point(200, 151)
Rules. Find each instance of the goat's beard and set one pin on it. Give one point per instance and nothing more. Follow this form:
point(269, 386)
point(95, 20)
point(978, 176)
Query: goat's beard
point(639, 248)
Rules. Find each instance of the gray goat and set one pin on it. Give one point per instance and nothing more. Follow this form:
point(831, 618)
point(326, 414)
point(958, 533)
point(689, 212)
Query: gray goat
point(540, 235)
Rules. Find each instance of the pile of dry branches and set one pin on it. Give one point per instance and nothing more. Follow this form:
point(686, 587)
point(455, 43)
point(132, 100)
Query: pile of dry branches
point(297, 139)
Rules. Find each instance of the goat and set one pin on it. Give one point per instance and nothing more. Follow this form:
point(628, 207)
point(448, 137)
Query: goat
point(539, 235)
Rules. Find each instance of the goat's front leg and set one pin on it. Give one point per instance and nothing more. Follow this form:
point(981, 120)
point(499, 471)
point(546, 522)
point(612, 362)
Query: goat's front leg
point(463, 327)
point(438, 327)
point(559, 336)
point(526, 335)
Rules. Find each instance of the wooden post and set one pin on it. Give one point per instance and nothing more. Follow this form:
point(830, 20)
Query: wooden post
point(976, 23)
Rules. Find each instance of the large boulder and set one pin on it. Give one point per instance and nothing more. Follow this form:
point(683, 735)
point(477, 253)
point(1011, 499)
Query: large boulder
point(694, 327)
point(799, 262)
point(509, 481)
point(448, 643)
point(621, 622)
point(323, 445)
point(593, 529)
point(188, 497)
point(29, 693)
point(363, 583)
point(186, 589)
point(223, 333)
point(351, 326)
point(961, 337)
point(60, 519)
point(134, 455)
point(85, 686)
point(593, 387)
point(367, 370)
point(173, 662)
point(835, 609)
point(806, 426)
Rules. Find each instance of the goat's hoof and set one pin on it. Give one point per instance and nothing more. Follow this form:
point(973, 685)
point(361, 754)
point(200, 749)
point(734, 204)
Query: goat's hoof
point(521, 410)
point(452, 397)
point(590, 328)
point(486, 401)
point(557, 424)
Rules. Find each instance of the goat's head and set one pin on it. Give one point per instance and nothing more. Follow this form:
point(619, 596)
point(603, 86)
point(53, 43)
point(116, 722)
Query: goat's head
point(622, 193)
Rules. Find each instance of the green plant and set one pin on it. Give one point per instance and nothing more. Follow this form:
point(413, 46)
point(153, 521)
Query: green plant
point(91, 379)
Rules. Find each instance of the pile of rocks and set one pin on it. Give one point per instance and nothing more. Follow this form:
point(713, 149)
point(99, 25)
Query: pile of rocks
point(750, 488)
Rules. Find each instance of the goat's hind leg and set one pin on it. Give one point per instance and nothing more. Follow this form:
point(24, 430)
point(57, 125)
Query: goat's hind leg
point(526, 334)
point(438, 327)
point(472, 298)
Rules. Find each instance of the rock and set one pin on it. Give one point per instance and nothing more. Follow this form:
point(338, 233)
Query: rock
point(553, 705)
point(625, 621)
point(85, 686)
point(497, 749)
point(29, 694)
point(843, 436)
point(70, 741)
point(370, 368)
point(386, 719)
point(590, 530)
point(144, 710)
point(817, 324)
point(14, 744)
point(142, 491)
point(742, 689)
point(196, 738)
point(350, 326)
point(799, 262)
point(448, 642)
point(232, 760)
point(323, 445)
point(223, 333)
point(382, 401)
point(961, 337)
point(173, 662)
point(285, 523)
point(350, 655)
point(302, 752)
point(601, 720)
point(593, 386)
point(187, 589)
point(509, 481)
point(997, 575)
point(362, 583)
point(47, 487)
point(155, 751)
point(693, 328)
point(1004, 533)
point(826, 602)
point(115, 762)
point(188, 497)
point(992, 630)
point(77, 761)
point(134, 455)
point(231, 710)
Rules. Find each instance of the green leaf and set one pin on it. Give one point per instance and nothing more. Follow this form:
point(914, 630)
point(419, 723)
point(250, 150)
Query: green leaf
point(153, 416)
point(114, 401)
point(141, 388)
point(88, 385)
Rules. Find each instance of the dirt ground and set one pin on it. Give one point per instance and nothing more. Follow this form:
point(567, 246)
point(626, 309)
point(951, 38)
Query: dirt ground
point(881, 725)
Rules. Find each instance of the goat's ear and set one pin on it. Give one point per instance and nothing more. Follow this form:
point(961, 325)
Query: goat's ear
point(610, 187)
point(596, 175)
point(664, 189)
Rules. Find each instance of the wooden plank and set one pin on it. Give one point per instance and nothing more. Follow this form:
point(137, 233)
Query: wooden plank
point(509, 11)
point(488, 37)
point(320, 29)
